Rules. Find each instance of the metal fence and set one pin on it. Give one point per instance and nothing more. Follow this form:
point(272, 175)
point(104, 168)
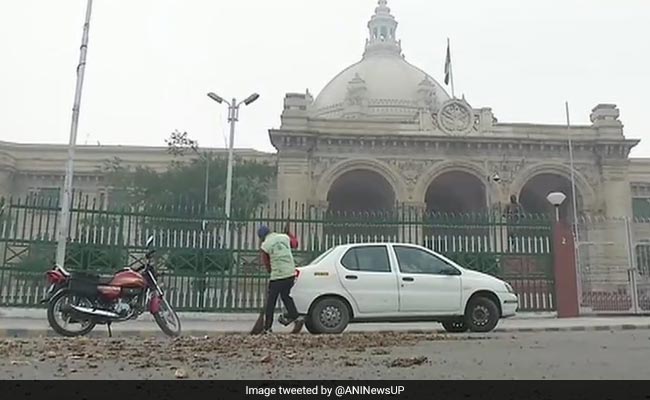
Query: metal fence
point(613, 257)
point(205, 269)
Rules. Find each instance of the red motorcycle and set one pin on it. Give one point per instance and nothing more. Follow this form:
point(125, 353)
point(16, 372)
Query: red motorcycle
point(78, 301)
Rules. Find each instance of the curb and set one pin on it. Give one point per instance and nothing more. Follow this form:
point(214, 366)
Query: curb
point(46, 333)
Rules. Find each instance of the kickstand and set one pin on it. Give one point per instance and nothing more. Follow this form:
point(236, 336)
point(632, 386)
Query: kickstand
point(110, 333)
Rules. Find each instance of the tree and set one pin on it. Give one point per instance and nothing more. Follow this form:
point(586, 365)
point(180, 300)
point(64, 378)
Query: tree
point(184, 182)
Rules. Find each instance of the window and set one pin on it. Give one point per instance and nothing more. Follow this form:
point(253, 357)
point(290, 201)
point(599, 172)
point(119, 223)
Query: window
point(643, 258)
point(641, 207)
point(416, 261)
point(367, 259)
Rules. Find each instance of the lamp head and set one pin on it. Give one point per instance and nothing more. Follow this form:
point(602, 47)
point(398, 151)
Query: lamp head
point(250, 99)
point(556, 198)
point(215, 97)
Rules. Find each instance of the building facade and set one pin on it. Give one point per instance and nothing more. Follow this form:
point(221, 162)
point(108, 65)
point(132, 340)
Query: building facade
point(383, 132)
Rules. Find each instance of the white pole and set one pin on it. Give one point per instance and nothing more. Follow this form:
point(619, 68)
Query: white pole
point(451, 72)
point(576, 239)
point(233, 111)
point(573, 180)
point(64, 228)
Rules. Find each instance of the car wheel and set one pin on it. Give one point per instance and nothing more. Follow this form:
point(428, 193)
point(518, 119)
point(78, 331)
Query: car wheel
point(482, 315)
point(455, 326)
point(329, 315)
point(310, 326)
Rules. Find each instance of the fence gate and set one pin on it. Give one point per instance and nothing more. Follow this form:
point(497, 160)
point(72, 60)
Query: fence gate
point(613, 259)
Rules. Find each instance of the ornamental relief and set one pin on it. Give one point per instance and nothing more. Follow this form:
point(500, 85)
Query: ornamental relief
point(506, 169)
point(411, 170)
point(456, 117)
point(320, 165)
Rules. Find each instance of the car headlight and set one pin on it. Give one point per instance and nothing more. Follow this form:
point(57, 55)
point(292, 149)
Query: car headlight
point(509, 288)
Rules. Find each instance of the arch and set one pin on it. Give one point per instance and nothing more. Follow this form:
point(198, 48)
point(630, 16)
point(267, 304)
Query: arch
point(442, 168)
point(584, 190)
point(532, 196)
point(363, 195)
point(360, 191)
point(342, 167)
point(456, 192)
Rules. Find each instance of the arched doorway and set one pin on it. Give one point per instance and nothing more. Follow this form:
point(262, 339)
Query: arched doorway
point(361, 191)
point(361, 203)
point(456, 192)
point(533, 195)
point(456, 202)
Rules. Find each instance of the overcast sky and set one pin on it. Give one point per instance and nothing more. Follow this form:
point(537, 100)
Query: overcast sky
point(151, 62)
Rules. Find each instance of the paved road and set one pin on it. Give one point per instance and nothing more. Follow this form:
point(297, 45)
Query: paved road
point(551, 355)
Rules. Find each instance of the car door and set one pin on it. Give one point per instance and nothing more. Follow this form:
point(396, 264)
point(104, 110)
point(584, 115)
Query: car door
point(366, 274)
point(427, 284)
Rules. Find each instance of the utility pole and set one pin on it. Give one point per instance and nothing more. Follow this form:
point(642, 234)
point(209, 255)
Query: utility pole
point(66, 197)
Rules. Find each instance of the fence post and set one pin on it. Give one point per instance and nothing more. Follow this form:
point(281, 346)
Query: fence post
point(564, 263)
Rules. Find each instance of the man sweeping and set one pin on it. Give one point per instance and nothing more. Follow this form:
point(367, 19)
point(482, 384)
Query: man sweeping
point(278, 258)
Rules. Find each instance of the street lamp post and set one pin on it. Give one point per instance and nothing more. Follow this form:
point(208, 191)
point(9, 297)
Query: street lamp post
point(233, 117)
point(556, 199)
point(66, 197)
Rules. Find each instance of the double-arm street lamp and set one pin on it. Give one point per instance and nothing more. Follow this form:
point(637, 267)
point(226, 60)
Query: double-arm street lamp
point(233, 117)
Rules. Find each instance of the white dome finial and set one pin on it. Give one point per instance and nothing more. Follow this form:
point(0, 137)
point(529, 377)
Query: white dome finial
point(382, 31)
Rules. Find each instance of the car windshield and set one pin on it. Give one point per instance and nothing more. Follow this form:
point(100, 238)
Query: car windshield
point(320, 257)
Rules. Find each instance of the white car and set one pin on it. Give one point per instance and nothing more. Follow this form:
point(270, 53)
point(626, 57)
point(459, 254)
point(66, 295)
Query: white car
point(395, 282)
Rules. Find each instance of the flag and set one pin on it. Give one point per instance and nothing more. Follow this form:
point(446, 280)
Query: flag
point(448, 65)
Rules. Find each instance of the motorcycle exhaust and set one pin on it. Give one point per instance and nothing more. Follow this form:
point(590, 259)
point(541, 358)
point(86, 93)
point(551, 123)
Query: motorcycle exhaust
point(94, 312)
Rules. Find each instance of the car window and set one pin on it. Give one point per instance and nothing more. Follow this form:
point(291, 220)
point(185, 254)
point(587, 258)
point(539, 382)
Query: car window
point(412, 260)
point(367, 259)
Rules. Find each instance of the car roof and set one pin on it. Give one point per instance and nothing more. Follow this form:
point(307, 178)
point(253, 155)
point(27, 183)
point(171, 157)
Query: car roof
point(350, 245)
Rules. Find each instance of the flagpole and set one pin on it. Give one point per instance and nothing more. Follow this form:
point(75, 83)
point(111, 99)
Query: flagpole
point(451, 72)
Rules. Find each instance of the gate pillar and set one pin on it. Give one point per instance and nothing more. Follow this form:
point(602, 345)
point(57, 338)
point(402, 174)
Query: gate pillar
point(566, 280)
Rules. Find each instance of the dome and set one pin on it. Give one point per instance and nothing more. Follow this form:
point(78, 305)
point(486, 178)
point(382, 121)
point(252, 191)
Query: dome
point(383, 84)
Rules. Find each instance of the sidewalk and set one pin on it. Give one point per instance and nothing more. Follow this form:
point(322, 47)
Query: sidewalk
point(33, 323)
point(40, 313)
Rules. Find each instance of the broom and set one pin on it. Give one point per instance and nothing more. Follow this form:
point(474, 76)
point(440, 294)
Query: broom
point(259, 324)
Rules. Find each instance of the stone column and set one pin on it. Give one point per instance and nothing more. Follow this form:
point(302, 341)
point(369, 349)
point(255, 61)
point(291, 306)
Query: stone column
point(294, 183)
point(617, 191)
point(614, 262)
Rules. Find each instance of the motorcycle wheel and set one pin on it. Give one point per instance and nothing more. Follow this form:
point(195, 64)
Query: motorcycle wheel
point(60, 321)
point(167, 319)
